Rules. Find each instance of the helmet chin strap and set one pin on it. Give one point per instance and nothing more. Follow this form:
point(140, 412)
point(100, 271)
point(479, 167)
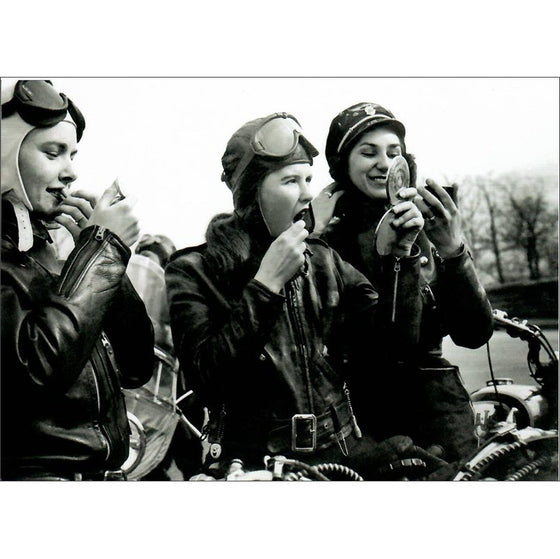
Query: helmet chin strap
point(262, 213)
point(25, 231)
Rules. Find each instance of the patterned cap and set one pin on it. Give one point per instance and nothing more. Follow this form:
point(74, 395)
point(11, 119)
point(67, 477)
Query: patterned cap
point(351, 123)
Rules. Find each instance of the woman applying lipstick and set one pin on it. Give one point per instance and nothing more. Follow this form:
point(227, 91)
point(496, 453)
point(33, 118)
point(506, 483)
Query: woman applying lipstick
point(261, 311)
point(432, 406)
point(70, 340)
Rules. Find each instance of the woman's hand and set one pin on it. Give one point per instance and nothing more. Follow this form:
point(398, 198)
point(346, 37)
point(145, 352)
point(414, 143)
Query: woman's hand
point(76, 212)
point(408, 222)
point(441, 217)
point(115, 212)
point(284, 257)
point(323, 206)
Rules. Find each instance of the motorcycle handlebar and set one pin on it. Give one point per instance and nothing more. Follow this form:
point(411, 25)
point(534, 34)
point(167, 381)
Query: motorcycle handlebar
point(519, 326)
point(527, 332)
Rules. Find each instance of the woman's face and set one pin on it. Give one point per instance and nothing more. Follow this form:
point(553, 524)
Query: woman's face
point(46, 166)
point(370, 159)
point(284, 196)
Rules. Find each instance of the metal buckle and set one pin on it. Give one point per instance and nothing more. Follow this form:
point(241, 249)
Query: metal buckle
point(304, 432)
point(114, 475)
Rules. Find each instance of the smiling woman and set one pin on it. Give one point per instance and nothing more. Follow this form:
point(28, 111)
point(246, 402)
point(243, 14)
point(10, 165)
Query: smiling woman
point(370, 159)
point(366, 149)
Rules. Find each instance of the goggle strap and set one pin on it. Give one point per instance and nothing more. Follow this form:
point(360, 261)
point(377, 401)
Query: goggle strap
point(9, 108)
point(242, 166)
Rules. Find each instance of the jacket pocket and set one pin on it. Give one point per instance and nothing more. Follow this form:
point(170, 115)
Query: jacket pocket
point(445, 414)
point(443, 388)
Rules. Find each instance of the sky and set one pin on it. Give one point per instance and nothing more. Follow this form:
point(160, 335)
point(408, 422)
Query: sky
point(164, 137)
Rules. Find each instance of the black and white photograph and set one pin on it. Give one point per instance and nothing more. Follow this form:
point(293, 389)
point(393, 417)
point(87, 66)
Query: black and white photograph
point(211, 278)
point(272, 289)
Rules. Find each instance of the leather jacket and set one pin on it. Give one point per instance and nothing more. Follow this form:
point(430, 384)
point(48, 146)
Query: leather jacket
point(69, 343)
point(427, 389)
point(268, 356)
point(453, 300)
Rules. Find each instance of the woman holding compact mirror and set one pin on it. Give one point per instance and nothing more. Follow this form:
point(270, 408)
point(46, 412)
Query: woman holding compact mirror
point(421, 394)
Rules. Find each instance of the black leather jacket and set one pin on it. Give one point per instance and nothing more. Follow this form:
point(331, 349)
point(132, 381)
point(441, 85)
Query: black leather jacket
point(453, 300)
point(424, 394)
point(270, 356)
point(62, 407)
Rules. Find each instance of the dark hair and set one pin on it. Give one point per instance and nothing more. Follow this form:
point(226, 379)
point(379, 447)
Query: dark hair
point(237, 241)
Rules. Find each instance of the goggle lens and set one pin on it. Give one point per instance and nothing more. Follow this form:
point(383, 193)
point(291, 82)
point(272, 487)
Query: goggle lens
point(39, 104)
point(40, 95)
point(277, 137)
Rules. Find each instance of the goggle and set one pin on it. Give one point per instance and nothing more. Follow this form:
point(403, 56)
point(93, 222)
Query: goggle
point(277, 137)
point(38, 103)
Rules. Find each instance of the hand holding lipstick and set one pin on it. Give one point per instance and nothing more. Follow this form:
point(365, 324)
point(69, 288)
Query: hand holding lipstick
point(76, 209)
point(113, 210)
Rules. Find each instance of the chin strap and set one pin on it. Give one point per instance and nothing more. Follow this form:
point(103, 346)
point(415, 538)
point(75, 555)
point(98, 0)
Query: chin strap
point(25, 231)
point(261, 211)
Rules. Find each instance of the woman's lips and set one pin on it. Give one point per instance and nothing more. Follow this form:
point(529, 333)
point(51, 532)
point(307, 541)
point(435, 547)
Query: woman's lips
point(301, 214)
point(59, 194)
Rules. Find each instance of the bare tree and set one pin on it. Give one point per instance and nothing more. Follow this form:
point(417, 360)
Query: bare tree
point(511, 223)
point(494, 237)
point(473, 225)
point(533, 219)
point(482, 216)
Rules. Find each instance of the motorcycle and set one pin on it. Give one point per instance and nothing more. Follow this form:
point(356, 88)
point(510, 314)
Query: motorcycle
point(516, 424)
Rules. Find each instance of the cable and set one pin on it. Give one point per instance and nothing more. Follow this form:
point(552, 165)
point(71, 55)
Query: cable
point(340, 469)
point(494, 383)
point(475, 471)
point(529, 468)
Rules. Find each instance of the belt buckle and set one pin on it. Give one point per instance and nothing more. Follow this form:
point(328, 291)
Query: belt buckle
point(114, 475)
point(304, 432)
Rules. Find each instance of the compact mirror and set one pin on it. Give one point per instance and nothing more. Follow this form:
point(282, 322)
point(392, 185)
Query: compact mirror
point(385, 236)
point(398, 177)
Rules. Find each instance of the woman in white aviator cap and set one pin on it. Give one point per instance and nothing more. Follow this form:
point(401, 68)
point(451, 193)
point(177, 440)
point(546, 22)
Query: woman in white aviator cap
point(70, 341)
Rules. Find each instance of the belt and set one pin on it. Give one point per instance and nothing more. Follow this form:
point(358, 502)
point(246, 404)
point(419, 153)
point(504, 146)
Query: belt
point(305, 433)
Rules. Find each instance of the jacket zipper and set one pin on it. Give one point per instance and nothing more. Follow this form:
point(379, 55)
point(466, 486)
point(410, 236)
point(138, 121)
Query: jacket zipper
point(295, 319)
point(98, 394)
point(115, 391)
point(397, 269)
point(109, 350)
point(72, 280)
